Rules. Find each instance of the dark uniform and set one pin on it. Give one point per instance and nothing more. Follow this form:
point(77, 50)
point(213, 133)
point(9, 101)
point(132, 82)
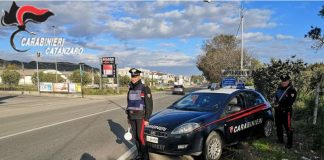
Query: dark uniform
point(139, 109)
point(284, 98)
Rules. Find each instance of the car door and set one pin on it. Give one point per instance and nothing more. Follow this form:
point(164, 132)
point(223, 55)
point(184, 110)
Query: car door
point(254, 106)
point(232, 123)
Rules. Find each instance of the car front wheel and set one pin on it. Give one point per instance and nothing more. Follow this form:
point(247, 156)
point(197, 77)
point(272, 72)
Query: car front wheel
point(268, 128)
point(213, 146)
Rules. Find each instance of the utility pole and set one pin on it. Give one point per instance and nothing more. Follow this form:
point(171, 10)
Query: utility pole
point(23, 71)
point(117, 79)
point(81, 75)
point(100, 83)
point(92, 75)
point(37, 56)
point(55, 58)
point(242, 32)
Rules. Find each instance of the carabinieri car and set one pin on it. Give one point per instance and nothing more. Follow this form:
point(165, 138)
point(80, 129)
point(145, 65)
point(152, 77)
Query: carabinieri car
point(203, 122)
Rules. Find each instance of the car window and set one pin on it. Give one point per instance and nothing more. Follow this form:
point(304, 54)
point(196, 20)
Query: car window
point(236, 101)
point(201, 102)
point(252, 99)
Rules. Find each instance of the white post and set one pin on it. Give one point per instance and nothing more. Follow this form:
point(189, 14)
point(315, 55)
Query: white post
point(316, 103)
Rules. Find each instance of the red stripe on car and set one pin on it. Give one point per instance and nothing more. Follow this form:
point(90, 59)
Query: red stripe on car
point(248, 110)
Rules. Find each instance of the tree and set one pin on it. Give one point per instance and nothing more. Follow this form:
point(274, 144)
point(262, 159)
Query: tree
point(76, 78)
point(96, 78)
point(221, 52)
point(197, 79)
point(266, 79)
point(123, 80)
point(10, 77)
point(315, 33)
point(171, 82)
point(12, 67)
point(46, 77)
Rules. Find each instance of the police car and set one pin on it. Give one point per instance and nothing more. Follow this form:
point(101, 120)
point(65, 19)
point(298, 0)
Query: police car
point(203, 122)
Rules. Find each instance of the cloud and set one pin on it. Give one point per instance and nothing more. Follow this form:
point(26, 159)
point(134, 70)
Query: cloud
point(144, 57)
point(193, 19)
point(258, 18)
point(281, 49)
point(256, 37)
point(146, 20)
point(284, 37)
point(167, 45)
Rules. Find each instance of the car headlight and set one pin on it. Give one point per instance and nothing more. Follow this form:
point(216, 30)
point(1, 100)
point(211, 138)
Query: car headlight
point(185, 128)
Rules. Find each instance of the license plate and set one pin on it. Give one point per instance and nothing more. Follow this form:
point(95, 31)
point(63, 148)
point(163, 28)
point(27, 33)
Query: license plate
point(152, 139)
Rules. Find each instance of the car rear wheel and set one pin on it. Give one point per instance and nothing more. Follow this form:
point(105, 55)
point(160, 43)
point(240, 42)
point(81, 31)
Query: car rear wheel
point(268, 128)
point(213, 147)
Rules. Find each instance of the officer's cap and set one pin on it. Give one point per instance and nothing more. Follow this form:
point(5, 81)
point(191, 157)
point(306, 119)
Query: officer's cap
point(134, 72)
point(284, 77)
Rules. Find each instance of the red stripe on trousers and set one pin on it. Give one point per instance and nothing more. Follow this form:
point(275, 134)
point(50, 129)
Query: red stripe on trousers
point(142, 133)
point(289, 120)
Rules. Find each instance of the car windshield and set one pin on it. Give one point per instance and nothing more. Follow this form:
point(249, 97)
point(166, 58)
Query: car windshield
point(201, 102)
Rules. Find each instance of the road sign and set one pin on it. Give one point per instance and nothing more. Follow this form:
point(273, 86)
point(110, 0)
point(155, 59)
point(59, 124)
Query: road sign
point(229, 81)
point(236, 73)
point(108, 67)
point(108, 60)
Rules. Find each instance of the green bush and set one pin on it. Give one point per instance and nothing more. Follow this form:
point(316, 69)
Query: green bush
point(10, 77)
point(18, 88)
point(46, 77)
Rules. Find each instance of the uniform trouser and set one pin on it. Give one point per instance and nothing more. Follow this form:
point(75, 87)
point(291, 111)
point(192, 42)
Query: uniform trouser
point(137, 126)
point(283, 119)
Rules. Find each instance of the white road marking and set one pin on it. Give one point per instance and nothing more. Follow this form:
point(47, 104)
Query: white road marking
point(127, 154)
point(55, 124)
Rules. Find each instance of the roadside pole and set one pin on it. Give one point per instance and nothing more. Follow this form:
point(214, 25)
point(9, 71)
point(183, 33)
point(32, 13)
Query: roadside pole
point(37, 56)
point(117, 79)
point(81, 74)
point(100, 73)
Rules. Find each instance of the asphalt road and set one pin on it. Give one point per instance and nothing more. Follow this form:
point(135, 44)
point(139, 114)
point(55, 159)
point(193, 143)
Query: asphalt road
point(58, 128)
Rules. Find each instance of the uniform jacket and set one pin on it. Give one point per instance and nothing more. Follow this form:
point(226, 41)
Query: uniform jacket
point(148, 102)
point(287, 99)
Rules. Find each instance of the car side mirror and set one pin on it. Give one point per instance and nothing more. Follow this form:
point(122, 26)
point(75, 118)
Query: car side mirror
point(233, 109)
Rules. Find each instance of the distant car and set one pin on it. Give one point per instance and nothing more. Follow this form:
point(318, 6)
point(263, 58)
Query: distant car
point(178, 89)
point(203, 122)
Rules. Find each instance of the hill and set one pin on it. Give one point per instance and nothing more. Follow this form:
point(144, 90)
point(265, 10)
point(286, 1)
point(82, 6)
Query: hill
point(61, 66)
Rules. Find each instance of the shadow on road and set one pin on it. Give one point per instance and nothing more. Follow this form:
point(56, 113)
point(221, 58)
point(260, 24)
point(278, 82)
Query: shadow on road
point(5, 97)
point(87, 156)
point(119, 131)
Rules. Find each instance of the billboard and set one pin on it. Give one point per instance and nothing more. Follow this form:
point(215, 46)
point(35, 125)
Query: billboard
point(61, 87)
point(74, 87)
point(45, 87)
point(108, 67)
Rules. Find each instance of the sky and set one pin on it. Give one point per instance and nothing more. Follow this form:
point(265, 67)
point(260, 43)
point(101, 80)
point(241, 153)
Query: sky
point(167, 36)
